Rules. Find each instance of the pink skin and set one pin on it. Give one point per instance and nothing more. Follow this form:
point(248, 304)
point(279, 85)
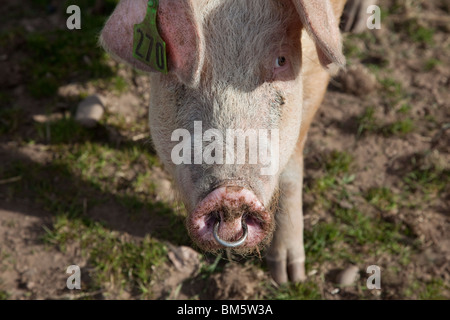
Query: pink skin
point(236, 199)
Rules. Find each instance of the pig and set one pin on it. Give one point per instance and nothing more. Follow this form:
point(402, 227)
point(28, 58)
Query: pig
point(242, 65)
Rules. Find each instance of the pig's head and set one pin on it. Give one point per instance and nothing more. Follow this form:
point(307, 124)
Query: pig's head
point(233, 95)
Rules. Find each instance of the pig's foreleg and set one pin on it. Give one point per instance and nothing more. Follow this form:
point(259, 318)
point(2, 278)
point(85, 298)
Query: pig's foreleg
point(286, 256)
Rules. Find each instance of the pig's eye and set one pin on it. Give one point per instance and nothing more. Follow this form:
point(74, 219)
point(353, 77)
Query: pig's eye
point(280, 62)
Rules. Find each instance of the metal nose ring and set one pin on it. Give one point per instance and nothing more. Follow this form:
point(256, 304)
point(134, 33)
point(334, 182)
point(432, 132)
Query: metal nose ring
point(230, 244)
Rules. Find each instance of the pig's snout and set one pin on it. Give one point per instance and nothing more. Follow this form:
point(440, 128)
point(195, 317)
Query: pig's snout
point(230, 216)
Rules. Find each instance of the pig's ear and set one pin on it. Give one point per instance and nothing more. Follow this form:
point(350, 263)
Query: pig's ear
point(322, 25)
point(178, 27)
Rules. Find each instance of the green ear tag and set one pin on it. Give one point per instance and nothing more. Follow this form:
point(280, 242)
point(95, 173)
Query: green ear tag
point(148, 46)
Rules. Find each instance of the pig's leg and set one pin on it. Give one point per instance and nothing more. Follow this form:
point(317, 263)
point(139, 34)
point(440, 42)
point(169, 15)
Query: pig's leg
point(286, 256)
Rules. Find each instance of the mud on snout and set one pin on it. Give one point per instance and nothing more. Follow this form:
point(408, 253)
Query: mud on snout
point(237, 211)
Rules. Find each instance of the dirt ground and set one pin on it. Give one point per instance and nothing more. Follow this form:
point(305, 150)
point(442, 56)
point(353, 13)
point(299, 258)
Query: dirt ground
point(396, 133)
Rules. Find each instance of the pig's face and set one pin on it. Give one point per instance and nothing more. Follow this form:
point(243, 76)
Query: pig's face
point(248, 81)
point(237, 65)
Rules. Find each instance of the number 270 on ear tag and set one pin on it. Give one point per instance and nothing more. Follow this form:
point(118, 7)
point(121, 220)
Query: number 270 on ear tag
point(148, 46)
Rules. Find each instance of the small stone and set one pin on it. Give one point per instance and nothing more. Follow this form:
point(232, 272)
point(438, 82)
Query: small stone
point(27, 278)
point(348, 276)
point(30, 285)
point(70, 90)
point(312, 272)
point(335, 291)
point(87, 60)
point(345, 204)
point(42, 118)
point(185, 259)
point(90, 111)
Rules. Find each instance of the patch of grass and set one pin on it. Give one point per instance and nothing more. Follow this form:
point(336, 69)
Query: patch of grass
point(338, 162)
point(5, 98)
point(368, 38)
point(296, 291)
point(351, 50)
point(434, 290)
point(119, 262)
point(119, 122)
point(8, 37)
point(124, 263)
point(77, 177)
point(431, 119)
point(431, 64)
point(144, 183)
point(65, 229)
point(86, 173)
point(352, 45)
point(367, 122)
point(423, 34)
point(176, 226)
point(418, 33)
point(132, 203)
point(366, 230)
point(325, 183)
point(10, 119)
point(393, 89)
point(384, 13)
point(321, 243)
point(336, 165)
point(427, 179)
point(66, 130)
point(80, 171)
point(404, 108)
point(63, 55)
point(4, 295)
point(335, 240)
point(119, 84)
point(51, 185)
point(400, 127)
point(396, 7)
point(425, 174)
point(431, 290)
point(4, 255)
point(104, 166)
point(208, 269)
point(382, 198)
